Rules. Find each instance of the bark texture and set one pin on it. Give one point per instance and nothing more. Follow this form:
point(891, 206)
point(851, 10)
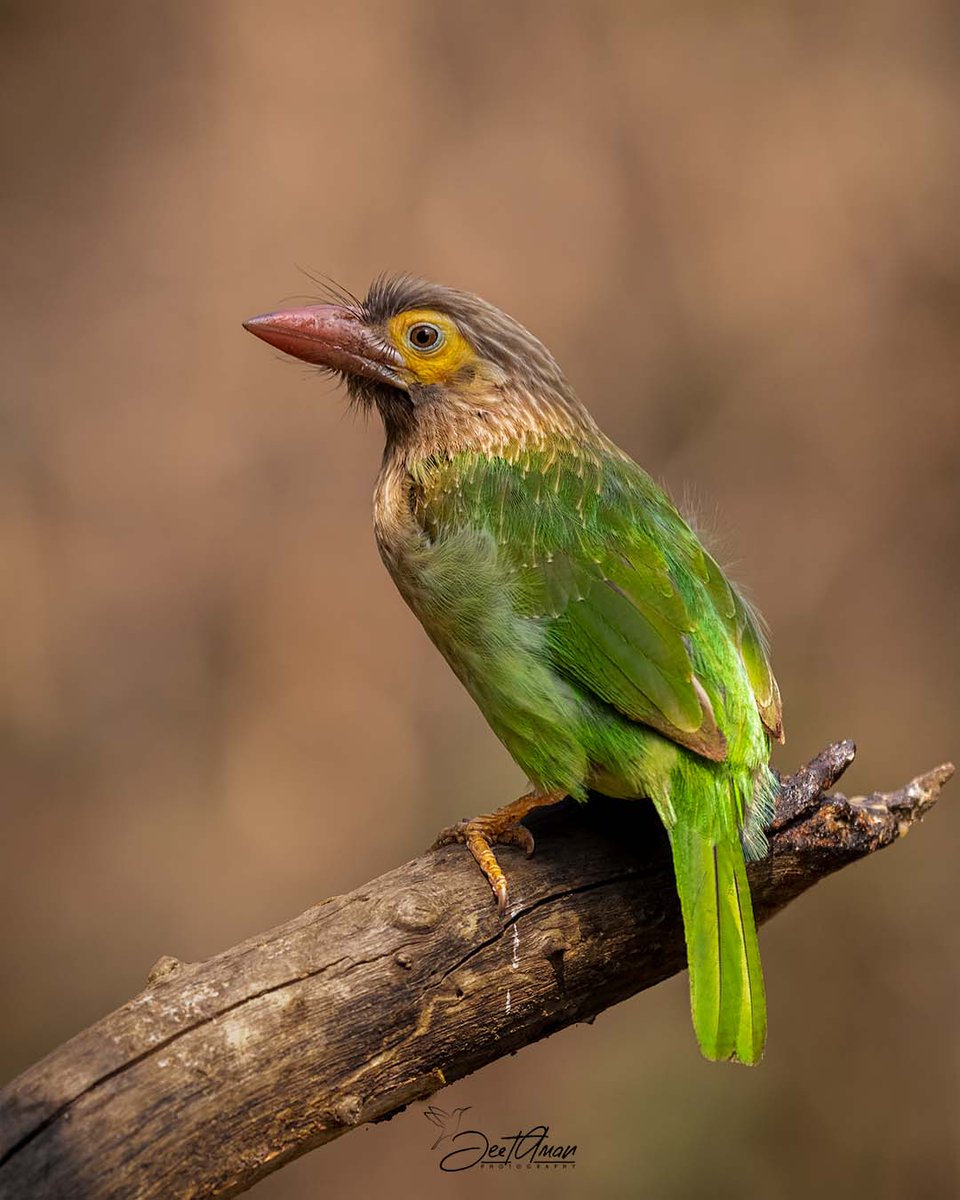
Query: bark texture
point(221, 1071)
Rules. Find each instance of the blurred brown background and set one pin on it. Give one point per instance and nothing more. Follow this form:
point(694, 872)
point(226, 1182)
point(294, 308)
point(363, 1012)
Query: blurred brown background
point(737, 226)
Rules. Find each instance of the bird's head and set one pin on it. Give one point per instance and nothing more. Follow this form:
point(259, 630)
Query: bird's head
point(432, 361)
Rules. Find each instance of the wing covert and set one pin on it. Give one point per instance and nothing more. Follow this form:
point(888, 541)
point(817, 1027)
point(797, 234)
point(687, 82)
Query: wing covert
point(583, 540)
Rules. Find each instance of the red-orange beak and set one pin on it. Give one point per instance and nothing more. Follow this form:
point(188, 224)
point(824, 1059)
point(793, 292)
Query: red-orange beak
point(330, 337)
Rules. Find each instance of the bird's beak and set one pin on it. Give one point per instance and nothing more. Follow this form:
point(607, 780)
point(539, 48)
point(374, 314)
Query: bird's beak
point(332, 337)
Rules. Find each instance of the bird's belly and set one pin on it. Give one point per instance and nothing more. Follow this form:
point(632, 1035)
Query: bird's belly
point(463, 596)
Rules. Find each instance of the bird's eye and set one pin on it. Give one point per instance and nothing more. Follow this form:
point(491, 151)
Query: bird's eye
point(425, 337)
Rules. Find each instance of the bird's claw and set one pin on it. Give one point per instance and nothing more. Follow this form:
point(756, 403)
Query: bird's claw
point(502, 827)
point(479, 835)
point(514, 834)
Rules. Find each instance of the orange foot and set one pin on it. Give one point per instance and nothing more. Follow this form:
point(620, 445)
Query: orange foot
point(498, 828)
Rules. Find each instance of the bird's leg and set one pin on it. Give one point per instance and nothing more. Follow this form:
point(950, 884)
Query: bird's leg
point(502, 827)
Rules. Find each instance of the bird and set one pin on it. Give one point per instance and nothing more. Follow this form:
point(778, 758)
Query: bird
point(447, 1122)
point(602, 642)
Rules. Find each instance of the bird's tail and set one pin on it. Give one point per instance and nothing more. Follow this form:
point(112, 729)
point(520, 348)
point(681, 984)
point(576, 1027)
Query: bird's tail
point(726, 980)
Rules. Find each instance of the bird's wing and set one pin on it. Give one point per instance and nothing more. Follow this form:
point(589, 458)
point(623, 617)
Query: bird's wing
point(631, 604)
point(436, 1116)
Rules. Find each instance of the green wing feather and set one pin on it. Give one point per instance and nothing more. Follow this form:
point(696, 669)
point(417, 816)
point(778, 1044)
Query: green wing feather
point(625, 591)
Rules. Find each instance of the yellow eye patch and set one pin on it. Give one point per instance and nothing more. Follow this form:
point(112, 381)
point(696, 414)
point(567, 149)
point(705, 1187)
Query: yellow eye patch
point(432, 346)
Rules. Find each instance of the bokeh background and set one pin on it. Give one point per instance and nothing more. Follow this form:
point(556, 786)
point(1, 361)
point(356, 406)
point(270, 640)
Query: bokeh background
point(737, 226)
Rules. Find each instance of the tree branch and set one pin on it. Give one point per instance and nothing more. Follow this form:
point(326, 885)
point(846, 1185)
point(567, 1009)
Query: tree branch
point(221, 1071)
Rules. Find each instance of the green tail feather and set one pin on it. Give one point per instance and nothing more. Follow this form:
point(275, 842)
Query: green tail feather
point(726, 980)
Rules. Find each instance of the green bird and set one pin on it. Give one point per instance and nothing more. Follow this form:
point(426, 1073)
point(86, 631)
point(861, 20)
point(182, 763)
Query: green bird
point(603, 644)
